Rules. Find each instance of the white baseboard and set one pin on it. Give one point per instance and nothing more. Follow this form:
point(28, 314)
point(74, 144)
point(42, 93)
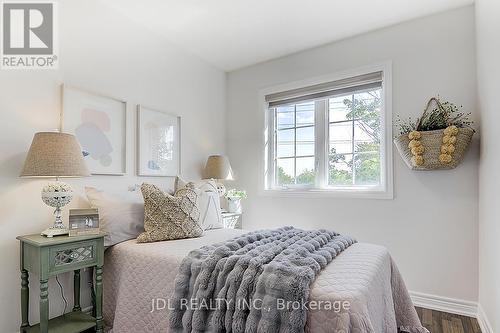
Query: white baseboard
point(483, 320)
point(445, 304)
point(452, 305)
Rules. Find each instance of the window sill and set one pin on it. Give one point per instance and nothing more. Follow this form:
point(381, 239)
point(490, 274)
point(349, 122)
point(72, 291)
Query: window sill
point(329, 193)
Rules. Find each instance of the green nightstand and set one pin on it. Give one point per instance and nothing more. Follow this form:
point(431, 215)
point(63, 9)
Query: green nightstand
point(48, 257)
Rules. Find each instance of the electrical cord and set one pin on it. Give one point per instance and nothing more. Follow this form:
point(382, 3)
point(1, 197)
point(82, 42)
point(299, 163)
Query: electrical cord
point(62, 295)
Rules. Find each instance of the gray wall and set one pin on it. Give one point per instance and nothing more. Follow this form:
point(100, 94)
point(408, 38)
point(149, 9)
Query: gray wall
point(104, 52)
point(488, 65)
point(431, 225)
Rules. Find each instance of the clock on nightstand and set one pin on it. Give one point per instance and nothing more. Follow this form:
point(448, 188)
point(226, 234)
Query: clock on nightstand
point(231, 220)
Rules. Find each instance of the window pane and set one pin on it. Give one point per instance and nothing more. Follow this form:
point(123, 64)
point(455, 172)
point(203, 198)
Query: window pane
point(341, 138)
point(338, 109)
point(305, 141)
point(365, 137)
point(285, 116)
point(305, 170)
point(305, 114)
point(285, 171)
point(340, 169)
point(367, 105)
point(285, 144)
point(367, 108)
point(367, 168)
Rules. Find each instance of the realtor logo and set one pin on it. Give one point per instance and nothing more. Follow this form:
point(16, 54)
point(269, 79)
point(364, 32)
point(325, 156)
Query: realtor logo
point(28, 35)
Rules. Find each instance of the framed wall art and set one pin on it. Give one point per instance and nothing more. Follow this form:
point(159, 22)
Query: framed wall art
point(99, 124)
point(158, 144)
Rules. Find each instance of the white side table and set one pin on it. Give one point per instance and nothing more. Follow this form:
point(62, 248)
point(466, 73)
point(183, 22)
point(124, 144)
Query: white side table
point(231, 220)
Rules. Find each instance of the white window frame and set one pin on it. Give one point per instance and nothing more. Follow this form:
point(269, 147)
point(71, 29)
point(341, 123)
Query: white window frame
point(384, 191)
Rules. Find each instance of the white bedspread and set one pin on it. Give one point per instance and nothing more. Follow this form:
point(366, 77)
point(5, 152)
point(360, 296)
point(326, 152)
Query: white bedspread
point(136, 276)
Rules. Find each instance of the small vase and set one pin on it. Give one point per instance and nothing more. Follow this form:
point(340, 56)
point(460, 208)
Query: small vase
point(234, 206)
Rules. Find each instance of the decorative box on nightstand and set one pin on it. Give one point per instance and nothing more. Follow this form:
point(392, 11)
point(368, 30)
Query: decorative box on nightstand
point(231, 220)
point(47, 257)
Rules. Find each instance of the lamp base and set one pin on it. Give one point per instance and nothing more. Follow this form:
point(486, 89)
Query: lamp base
point(58, 228)
point(51, 232)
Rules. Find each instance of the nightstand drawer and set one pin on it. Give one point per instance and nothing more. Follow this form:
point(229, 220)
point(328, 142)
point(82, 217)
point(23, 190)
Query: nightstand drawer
point(67, 257)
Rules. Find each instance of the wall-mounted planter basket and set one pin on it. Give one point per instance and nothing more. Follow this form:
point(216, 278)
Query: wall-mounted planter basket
point(437, 149)
point(432, 143)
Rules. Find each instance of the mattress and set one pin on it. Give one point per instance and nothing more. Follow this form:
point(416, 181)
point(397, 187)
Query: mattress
point(362, 287)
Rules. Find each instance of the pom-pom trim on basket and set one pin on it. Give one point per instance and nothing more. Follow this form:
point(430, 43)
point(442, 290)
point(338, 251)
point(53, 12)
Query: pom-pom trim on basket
point(448, 148)
point(416, 148)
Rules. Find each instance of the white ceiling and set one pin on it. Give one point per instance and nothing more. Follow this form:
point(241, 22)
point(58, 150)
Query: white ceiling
point(231, 34)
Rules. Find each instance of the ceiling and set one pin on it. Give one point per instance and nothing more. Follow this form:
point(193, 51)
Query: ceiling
point(231, 34)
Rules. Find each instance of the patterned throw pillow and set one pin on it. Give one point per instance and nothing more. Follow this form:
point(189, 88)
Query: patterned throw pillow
point(208, 201)
point(168, 217)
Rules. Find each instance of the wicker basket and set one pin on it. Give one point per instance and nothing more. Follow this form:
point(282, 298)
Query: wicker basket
point(435, 150)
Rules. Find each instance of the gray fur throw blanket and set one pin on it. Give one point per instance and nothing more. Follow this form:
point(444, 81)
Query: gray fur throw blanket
point(244, 284)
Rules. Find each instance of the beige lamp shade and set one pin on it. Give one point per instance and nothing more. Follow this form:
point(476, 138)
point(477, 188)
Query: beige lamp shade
point(54, 154)
point(218, 167)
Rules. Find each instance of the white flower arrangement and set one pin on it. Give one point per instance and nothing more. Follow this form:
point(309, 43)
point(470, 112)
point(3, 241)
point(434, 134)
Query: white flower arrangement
point(236, 194)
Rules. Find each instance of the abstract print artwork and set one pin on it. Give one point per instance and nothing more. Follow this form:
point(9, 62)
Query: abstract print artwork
point(99, 124)
point(159, 143)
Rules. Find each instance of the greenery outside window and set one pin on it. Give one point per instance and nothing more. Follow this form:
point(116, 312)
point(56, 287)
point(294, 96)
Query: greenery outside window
point(330, 137)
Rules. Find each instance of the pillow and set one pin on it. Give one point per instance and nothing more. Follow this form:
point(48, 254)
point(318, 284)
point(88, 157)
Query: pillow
point(208, 202)
point(168, 217)
point(121, 216)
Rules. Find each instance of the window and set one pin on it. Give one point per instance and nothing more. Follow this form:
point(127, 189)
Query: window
point(295, 144)
point(330, 137)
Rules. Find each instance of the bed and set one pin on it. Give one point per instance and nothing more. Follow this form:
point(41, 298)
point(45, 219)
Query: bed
point(139, 279)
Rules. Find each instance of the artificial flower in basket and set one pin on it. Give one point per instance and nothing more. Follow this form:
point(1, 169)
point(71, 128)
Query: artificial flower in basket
point(438, 140)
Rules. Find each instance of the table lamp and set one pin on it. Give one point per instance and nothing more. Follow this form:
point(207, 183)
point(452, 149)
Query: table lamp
point(55, 155)
point(218, 168)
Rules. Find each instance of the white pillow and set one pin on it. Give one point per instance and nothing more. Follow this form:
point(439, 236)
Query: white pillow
point(121, 216)
point(208, 202)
